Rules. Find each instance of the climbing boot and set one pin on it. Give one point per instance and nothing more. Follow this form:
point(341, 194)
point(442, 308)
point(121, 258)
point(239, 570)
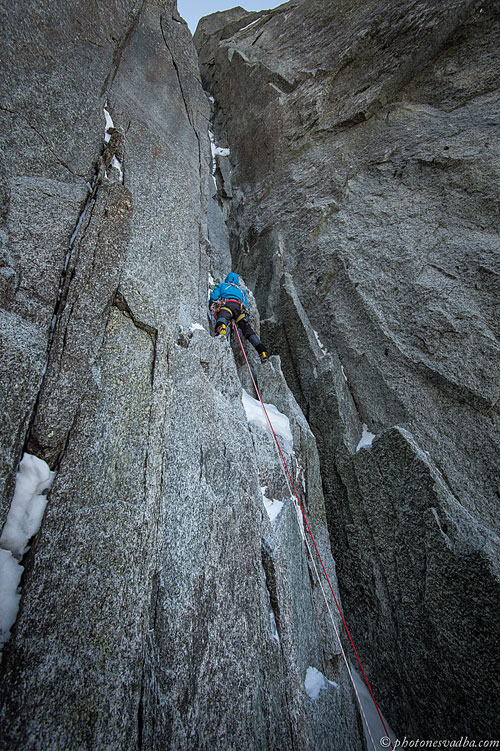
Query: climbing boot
point(264, 357)
point(222, 330)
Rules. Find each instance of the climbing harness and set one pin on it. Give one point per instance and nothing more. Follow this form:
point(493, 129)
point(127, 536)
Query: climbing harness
point(297, 502)
point(221, 304)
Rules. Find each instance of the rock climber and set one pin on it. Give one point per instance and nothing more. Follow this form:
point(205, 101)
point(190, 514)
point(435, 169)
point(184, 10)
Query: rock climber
point(228, 301)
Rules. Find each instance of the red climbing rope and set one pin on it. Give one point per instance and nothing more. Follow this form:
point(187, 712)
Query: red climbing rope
point(311, 535)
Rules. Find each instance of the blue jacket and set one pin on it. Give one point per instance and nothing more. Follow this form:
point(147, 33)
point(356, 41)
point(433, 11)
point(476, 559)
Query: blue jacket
point(229, 290)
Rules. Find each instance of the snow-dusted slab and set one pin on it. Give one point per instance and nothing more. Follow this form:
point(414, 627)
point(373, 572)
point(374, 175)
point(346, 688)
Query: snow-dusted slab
point(280, 422)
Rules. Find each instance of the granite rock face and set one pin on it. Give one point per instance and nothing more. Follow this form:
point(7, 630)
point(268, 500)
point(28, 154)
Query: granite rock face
point(161, 608)
point(365, 161)
point(348, 170)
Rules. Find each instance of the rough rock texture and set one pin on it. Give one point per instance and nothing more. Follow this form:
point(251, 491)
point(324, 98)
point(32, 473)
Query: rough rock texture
point(224, 568)
point(145, 617)
point(365, 154)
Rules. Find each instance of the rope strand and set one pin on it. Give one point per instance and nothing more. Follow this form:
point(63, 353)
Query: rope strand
point(315, 547)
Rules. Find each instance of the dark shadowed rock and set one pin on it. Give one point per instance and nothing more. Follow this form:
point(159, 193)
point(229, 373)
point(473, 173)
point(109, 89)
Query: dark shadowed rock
point(429, 569)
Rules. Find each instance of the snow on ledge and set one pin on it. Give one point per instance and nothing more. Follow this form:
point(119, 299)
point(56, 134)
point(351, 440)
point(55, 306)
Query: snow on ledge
point(118, 166)
point(272, 506)
point(280, 422)
point(28, 504)
point(315, 682)
point(320, 344)
point(109, 124)
point(10, 577)
point(216, 151)
point(249, 24)
point(196, 327)
point(366, 439)
point(23, 521)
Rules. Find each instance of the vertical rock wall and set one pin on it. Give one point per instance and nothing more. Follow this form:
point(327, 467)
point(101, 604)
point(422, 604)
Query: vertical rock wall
point(364, 150)
point(150, 593)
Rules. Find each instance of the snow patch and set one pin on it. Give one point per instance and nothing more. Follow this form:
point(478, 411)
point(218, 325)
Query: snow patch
point(321, 346)
point(272, 506)
point(316, 682)
point(279, 421)
point(366, 439)
point(249, 24)
point(196, 327)
point(109, 124)
point(117, 165)
point(33, 479)
point(10, 576)
point(216, 151)
point(212, 149)
point(28, 505)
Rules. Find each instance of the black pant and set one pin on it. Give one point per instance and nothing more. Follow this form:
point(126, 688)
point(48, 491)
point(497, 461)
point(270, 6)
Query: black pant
point(232, 310)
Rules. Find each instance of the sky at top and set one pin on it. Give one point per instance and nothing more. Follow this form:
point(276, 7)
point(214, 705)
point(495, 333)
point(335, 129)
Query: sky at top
point(193, 10)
